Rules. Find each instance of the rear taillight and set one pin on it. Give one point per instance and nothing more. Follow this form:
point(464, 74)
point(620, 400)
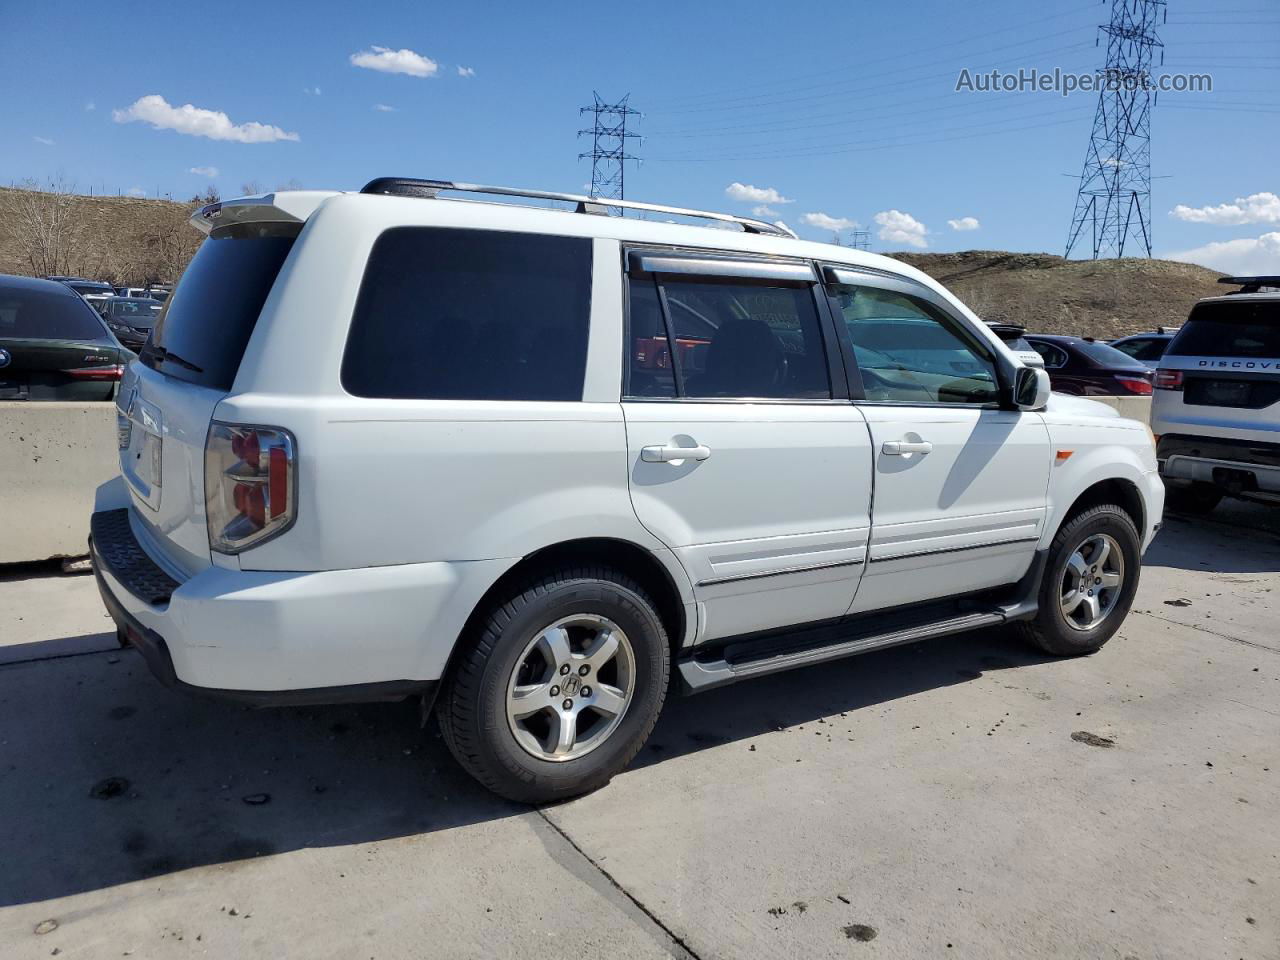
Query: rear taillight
point(1168, 379)
point(1138, 385)
point(114, 372)
point(249, 485)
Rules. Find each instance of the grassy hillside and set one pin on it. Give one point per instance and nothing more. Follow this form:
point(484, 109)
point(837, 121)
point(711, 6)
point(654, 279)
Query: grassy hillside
point(1100, 298)
point(127, 240)
point(120, 239)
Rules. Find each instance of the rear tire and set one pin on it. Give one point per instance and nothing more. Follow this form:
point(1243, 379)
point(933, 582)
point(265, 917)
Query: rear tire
point(1089, 582)
point(1196, 498)
point(559, 685)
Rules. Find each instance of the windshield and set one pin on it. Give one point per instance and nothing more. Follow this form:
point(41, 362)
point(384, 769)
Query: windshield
point(205, 325)
point(1230, 328)
point(136, 310)
point(36, 314)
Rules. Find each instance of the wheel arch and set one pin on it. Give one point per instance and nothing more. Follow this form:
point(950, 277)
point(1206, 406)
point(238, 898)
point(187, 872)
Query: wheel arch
point(637, 562)
point(1122, 492)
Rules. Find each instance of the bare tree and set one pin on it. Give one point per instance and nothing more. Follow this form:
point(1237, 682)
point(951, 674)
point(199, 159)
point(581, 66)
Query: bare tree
point(48, 234)
point(251, 187)
point(291, 184)
point(210, 195)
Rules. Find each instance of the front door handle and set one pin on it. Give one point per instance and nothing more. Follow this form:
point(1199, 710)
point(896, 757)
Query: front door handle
point(896, 448)
point(670, 454)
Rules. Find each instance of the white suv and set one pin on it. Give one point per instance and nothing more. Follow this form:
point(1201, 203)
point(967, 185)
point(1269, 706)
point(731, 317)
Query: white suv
point(1216, 409)
point(527, 463)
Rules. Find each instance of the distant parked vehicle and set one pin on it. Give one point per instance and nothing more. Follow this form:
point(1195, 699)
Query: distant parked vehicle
point(131, 319)
point(131, 291)
point(158, 291)
point(1014, 337)
point(54, 346)
point(1146, 347)
point(1086, 367)
point(94, 291)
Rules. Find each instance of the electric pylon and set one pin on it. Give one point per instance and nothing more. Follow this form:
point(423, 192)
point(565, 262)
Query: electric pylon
point(1114, 198)
point(609, 136)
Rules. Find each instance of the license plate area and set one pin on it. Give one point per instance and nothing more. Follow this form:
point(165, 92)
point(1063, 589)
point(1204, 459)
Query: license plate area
point(141, 454)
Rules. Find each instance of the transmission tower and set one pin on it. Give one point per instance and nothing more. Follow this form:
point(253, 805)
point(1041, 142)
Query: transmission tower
point(860, 239)
point(1113, 205)
point(608, 154)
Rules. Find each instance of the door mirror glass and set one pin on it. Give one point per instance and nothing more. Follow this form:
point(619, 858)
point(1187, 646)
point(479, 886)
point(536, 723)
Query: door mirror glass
point(1030, 388)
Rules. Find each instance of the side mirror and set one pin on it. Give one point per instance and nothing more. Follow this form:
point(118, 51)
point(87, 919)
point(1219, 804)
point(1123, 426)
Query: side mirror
point(1030, 388)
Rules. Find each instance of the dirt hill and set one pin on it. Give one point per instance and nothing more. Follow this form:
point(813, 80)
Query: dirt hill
point(127, 240)
point(119, 239)
point(1047, 294)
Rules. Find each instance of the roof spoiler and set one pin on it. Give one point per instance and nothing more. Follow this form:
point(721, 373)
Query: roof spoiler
point(289, 206)
point(1252, 284)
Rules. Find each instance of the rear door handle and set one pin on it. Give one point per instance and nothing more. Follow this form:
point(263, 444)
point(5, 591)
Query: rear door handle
point(896, 448)
point(669, 454)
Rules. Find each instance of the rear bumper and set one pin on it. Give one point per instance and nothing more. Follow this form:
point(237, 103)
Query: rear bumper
point(1239, 465)
point(286, 638)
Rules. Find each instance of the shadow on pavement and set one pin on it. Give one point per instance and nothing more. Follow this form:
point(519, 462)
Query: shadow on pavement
point(106, 777)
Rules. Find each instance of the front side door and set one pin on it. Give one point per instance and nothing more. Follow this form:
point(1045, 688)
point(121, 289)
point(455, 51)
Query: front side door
point(960, 484)
point(744, 458)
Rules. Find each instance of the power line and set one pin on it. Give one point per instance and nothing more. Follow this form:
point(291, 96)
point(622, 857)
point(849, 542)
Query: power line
point(1114, 197)
point(608, 153)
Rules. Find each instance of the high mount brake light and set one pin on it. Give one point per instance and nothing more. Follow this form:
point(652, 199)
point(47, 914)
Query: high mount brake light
point(249, 485)
point(1168, 379)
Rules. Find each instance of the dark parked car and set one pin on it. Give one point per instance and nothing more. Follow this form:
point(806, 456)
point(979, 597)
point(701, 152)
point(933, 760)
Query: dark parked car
point(96, 292)
point(1089, 368)
point(1146, 347)
point(53, 346)
point(131, 319)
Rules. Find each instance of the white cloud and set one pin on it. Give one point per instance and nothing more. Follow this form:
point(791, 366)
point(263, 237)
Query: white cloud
point(198, 122)
point(91, 106)
point(311, 91)
point(384, 108)
point(135, 192)
point(465, 71)
point(386, 60)
point(1255, 208)
point(964, 223)
point(1247, 255)
point(204, 171)
point(745, 193)
point(899, 227)
point(764, 210)
point(824, 222)
point(45, 140)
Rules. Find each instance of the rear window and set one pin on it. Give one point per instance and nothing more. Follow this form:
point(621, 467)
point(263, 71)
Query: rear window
point(1104, 354)
point(1230, 329)
point(37, 314)
point(449, 314)
point(202, 332)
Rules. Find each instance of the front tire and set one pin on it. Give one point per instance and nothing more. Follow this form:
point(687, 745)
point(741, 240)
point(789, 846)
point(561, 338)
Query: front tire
point(559, 685)
point(1089, 583)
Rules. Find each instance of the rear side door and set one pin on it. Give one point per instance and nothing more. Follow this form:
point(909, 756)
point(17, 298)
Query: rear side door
point(960, 484)
point(745, 456)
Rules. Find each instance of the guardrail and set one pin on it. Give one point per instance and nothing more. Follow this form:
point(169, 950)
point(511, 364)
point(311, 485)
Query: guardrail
point(52, 458)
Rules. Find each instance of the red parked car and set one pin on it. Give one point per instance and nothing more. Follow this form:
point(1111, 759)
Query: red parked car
point(1089, 368)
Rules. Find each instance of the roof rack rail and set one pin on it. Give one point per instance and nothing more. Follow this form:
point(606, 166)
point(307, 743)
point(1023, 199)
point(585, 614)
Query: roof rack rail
point(1251, 284)
point(414, 187)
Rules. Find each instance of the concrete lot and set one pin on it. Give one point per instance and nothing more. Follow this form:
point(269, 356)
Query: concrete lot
point(930, 798)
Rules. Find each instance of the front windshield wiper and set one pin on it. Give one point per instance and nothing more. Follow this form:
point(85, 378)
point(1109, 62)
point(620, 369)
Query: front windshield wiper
point(161, 353)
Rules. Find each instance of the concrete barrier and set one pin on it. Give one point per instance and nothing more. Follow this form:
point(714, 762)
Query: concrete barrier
point(52, 458)
point(1135, 408)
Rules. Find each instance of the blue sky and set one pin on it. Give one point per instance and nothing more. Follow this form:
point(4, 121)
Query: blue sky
point(843, 109)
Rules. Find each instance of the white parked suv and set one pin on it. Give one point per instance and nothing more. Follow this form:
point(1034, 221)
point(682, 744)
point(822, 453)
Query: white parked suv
point(1216, 409)
point(530, 464)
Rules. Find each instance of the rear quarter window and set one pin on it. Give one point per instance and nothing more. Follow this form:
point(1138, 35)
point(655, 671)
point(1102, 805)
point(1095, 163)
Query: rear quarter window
point(448, 314)
point(1232, 328)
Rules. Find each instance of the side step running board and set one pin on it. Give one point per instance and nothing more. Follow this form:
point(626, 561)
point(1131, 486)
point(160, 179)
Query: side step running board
point(701, 675)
